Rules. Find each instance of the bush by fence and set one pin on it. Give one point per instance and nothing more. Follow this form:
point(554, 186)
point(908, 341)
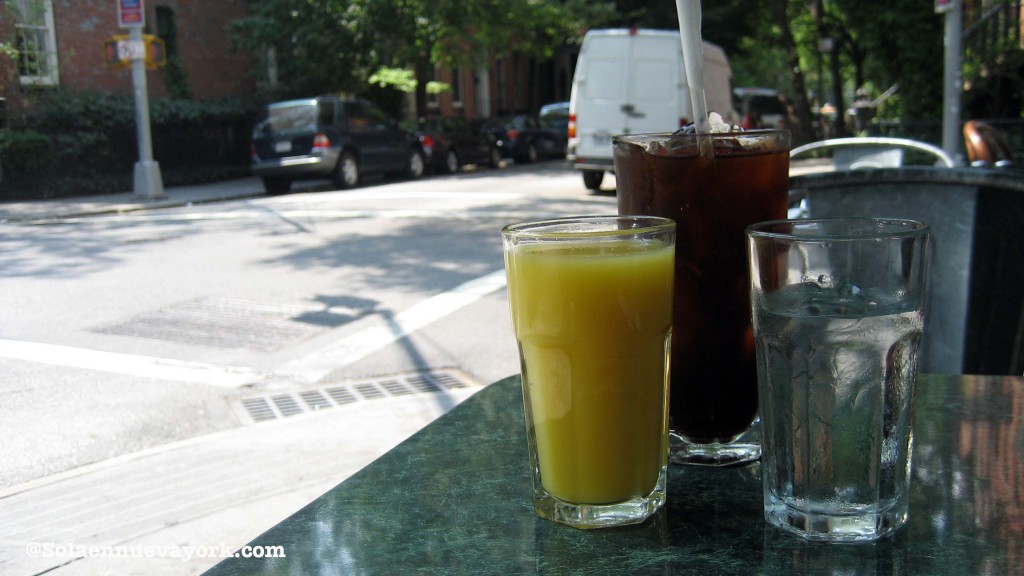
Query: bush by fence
point(86, 143)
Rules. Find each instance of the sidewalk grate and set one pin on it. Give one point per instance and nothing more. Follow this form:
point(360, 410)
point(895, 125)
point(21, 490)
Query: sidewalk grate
point(279, 405)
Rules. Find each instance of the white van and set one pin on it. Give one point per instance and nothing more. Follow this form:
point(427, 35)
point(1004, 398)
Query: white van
point(632, 81)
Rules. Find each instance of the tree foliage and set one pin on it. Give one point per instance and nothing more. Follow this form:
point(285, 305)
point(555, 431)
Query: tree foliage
point(337, 45)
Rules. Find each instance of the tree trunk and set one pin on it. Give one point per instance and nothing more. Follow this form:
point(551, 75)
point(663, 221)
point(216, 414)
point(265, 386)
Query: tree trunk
point(423, 76)
point(837, 94)
point(804, 132)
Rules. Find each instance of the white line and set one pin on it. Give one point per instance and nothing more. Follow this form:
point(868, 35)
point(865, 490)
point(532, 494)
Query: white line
point(129, 364)
point(361, 344)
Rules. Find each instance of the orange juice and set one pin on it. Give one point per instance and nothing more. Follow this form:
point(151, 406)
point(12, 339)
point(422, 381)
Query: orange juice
point(593, 321)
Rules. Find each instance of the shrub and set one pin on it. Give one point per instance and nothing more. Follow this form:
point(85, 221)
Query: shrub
point(91, 142)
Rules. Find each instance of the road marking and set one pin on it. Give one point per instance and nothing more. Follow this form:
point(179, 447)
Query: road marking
point(310, 367)
point(318, 364)
point(129, 364)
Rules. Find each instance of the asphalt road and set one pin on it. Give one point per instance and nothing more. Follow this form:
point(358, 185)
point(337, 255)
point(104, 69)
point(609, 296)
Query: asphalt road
point(123, 332)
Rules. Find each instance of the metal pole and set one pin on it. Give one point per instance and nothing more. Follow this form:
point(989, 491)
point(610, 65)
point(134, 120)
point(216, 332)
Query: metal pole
point(952, 80)
point(147, 180)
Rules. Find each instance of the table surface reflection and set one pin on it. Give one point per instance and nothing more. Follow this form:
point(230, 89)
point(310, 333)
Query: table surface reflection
point(455, 499)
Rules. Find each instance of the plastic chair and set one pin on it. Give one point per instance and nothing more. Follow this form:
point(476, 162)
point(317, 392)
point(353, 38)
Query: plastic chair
point(986, 146)
point(860, 153)
point(975, 322)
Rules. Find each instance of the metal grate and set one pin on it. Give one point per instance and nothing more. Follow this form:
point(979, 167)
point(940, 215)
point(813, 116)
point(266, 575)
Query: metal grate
point(285, 404)
point(315, 399)
point(369, 390)
point(259, 409)
point(341, 395)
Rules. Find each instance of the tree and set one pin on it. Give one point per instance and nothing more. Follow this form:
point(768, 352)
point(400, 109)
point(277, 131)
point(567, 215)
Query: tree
point(323, 45)
point(312, 46)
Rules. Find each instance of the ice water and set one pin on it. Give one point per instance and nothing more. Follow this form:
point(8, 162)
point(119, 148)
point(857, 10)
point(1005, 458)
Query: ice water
point(837, 367)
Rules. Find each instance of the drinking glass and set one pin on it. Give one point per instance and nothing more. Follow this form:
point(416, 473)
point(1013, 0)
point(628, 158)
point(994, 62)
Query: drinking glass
point(838, 308)
point(712, 197)
point(591, 302)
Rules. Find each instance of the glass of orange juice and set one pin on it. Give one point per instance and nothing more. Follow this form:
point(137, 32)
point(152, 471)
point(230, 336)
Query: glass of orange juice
point(591, 301)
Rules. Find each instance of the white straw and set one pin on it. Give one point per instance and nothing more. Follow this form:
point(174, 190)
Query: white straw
point(693, 59)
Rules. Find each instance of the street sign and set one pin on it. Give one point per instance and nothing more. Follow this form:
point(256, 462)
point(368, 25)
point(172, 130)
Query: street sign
point(943, 6)
point(120, 50)
point(131, 50)
point(130, 14)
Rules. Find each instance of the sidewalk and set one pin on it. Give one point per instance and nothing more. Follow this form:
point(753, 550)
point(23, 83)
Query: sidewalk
point(34, 210)
point(178, 508)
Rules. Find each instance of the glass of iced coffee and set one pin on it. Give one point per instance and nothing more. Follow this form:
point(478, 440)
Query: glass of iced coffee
point(713, 185)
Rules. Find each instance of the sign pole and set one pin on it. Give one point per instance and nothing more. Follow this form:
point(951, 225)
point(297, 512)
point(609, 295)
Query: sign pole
point(952, 77)
point(147, 181)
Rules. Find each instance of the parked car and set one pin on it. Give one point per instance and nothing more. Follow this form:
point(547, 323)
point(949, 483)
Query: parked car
point(330, 137)
point(451, 143)
point(555, 115)
point(762, 108)
point(524, 139)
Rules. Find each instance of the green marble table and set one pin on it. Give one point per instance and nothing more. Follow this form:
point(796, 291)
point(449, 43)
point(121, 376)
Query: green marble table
point(455, 499)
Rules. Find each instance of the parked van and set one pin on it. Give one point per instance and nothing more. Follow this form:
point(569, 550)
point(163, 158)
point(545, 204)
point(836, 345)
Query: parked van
point(632, 81)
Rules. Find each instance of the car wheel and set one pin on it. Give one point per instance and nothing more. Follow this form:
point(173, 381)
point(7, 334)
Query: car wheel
point(495, 157)
point(276, 184)
point(416, 164)
point(531, 153)
point(451, 162)
point(592, 179)
point(346, 173)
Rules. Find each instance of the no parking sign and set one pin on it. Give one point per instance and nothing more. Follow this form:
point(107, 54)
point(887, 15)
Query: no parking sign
point(130, 14)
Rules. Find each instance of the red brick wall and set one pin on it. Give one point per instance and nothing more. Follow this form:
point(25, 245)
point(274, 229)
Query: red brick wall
point(212, 69)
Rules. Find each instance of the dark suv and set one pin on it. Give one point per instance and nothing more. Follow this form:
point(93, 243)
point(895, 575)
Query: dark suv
point(330, 137)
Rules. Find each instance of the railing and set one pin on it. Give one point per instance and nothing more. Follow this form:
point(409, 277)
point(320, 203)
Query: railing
point(995, 32)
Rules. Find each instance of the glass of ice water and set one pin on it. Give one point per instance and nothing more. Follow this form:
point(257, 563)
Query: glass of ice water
point(838, 309)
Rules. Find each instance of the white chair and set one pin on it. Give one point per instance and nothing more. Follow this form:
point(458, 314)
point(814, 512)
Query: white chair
point(861, 153)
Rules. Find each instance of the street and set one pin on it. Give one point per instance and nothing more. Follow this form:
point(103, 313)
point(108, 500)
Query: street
point(125, 332)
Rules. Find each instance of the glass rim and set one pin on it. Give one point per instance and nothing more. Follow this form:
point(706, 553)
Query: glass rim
point(757, 132)
point(592, 226)
point(867, 227)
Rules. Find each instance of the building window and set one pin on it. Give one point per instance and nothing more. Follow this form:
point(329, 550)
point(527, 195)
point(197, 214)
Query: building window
point(35, 40)
point(175, 78)
point(433, 99)
point(520, 87)
point(457, 87)
point(502, 82)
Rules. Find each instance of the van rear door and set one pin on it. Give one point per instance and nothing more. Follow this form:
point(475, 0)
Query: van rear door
point(657, 84)
point(627, 82)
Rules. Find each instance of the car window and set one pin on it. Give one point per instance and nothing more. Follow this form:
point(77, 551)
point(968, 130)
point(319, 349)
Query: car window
point(376, 116)
point(327, 110)
point(767, 105)
point(292, 117)
point(356, 115)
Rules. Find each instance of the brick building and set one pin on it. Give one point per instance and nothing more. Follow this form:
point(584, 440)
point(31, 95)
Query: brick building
point(61, 44)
